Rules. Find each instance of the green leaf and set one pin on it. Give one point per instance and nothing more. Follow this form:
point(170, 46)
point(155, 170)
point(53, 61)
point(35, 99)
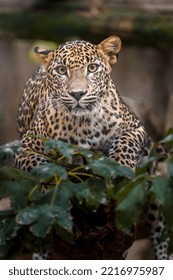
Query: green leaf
point(49, 170)
point(64, 226)
point(91, 193)
point(43, 217)
point(43, 225)
point(40, 218)
point(67, 236)
point(108, 168)
point(146, 165)
point(87, 153)
point(65, 195)
point(170, 167)
point(61, 147)
point(162, 188)
point(62, 199)
point(126, 188)
point(130, 203)
point(15, 192)
point(49, 216)
point(168, 138)
point(64, 220)
point(8, 229)
point(28, 215)
point(9, 173)
point(8, 150)
point(41, 197)
point(16, 184)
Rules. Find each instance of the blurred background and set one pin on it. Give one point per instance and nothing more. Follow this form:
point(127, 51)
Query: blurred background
point(143, 73)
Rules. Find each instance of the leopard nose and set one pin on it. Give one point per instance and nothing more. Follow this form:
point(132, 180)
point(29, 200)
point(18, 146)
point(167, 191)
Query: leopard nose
point(77, 94)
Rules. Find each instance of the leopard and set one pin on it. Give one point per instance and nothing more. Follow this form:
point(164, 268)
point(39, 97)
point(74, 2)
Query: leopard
point(72, 97)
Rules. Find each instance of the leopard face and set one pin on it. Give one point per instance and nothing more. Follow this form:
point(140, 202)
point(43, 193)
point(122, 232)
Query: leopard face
point(78, 74)
point(72, 97)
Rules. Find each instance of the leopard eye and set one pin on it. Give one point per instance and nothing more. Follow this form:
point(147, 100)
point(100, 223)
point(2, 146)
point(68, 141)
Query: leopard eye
point(62, 70)
point(92, 67)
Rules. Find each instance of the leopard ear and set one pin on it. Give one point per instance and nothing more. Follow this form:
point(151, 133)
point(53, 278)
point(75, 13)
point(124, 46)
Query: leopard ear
point(43, 56)
point(109, 48)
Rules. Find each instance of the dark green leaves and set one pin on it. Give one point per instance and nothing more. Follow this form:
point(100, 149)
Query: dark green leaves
point(43, 217)
point(49, 170)
point(130, 200)
point(94, 182)
point(170, 167)
point(168, 138)
point(91, 193)
point(163, 189)
point(54, 146)
point(108, 168)
point(16, 185)
point(8, 150)
point(8, 229)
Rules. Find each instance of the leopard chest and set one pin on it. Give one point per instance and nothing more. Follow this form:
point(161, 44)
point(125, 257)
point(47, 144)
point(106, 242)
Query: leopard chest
point(89, 132)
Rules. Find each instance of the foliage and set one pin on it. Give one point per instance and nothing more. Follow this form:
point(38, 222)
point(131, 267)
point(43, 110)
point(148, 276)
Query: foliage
point(61, 20)
point(33, 217)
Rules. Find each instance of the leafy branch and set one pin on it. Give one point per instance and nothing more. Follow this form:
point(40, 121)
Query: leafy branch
point(77, 179)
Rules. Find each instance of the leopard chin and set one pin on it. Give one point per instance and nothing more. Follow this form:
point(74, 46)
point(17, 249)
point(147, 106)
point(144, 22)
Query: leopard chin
point(80, 110)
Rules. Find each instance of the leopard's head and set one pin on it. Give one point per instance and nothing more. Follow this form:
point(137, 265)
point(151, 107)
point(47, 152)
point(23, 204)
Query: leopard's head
point(78, 73)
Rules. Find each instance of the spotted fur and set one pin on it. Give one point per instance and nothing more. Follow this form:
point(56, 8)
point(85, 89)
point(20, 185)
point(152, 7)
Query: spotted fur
point(73, 98)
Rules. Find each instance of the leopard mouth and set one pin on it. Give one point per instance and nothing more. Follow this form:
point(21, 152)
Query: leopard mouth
point(80, 107)
point(81, 110)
